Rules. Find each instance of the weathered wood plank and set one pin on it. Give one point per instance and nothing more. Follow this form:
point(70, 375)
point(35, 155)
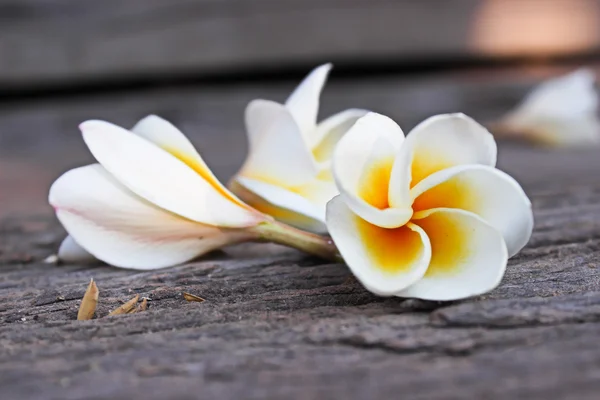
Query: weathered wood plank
point(285, 325)
point(277, 324)
point(44, 41)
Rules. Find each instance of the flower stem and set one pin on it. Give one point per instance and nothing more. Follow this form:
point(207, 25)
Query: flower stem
point(307, 242)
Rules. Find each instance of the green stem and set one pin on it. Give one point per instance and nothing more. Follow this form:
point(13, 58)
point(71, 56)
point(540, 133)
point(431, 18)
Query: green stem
point(307, 242)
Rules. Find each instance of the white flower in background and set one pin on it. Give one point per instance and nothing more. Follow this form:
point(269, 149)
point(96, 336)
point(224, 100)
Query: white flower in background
point(151, 202)
point(559, 112)
point(427, 216)
point(287, 173)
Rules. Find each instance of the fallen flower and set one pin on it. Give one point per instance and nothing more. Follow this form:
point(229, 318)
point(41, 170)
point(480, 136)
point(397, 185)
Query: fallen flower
point(560, 112)
point(427, 216)
point(126, 308)
point(89, 302)
point(192, 297)
point(152, 202)
point(287, 173)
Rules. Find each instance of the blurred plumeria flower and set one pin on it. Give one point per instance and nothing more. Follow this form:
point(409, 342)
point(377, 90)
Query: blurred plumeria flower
point(560, 112)
point(427, 216)
point(152, 202)
point(287, 173)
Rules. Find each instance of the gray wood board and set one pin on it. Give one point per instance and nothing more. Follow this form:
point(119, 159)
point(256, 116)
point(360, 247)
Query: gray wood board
point(54, 41)
point(275, 323)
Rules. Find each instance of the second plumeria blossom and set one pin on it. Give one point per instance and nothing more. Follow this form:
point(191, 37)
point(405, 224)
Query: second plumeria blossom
point(426, 216)
point(151, 201)
point(287, 173)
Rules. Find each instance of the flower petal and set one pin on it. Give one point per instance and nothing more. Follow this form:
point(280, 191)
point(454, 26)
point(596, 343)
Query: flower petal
point(277, 153)
point(162, 179)
point(490, 193)
point(303, 103)
point(70, 251)
point(331, 130)
point(559, 112)
point(318, 192)
point(563, 97)
point(468, 256)
point(437, 143)
point(572, 132)
point(362, 165)
point(122, 229)
point(166, 136)
point(284, 205)
point(385, 261)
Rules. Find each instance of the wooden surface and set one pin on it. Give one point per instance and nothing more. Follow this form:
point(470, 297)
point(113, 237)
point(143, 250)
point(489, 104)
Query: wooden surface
point(275, 323)
point(55, 42)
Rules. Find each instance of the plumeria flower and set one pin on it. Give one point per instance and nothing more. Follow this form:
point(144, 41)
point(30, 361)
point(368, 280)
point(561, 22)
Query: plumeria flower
point(560, 112)
point(151, 202)
point(287, 173)
point(426, 216)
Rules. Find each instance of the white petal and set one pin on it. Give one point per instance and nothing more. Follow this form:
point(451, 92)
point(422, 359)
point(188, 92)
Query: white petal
point(468, 256)
point(582, 131)
point(563, 97)
point(482, 190)
point(70, 251)
point(277, 153)
point(331, 130)
point(303, 103)
point(437, 143)
point(385, 261)
point(576, 131)
point(122, 229)
point(318, 192)
point(162, 179)
point(282, 204)
point(362, 164)
point(560, 112)
point(166, 136)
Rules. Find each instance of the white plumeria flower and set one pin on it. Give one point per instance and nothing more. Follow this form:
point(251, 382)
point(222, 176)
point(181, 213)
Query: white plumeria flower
point(287, 173)
point(560, 112)
point(151, 202)
point(427, 216)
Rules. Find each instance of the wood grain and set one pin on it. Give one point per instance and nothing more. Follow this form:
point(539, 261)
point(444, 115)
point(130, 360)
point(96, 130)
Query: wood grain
point(278, 324)
point(48, 42)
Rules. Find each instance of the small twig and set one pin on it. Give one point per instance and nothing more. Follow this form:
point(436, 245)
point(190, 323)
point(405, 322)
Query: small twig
point(192, 297)
point(143, 306)
point(89, 302)
point(125, 308)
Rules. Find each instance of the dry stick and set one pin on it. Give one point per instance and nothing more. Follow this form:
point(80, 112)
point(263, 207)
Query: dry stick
point(125, 308)
point(142, 306)
point(89, 302)
point(192, 297)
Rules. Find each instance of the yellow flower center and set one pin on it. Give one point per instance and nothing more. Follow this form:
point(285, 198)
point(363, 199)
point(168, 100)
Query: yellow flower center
point(374, 184)
point(394, 250)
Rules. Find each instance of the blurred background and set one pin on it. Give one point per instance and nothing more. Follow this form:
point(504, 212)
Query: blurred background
point(199, 62)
